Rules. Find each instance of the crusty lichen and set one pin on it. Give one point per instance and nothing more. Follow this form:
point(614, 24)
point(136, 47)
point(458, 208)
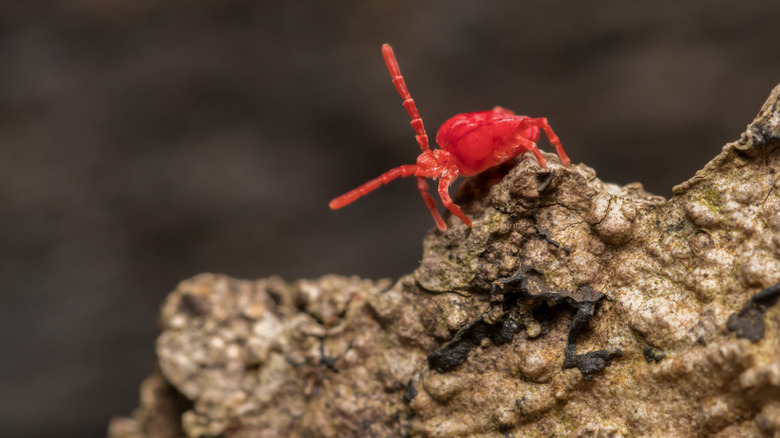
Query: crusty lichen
point(657, 355)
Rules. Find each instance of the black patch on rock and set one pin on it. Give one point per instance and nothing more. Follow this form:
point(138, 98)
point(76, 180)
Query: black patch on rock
point(455, 352)
point(526, 284)
point(506, 330)
point(653, 354)
point(764, 132)
point(588, 363)
point(410, 392)
point(748, 323)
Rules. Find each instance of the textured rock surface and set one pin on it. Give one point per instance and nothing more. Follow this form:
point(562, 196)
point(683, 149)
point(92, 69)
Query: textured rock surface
point(572, 307)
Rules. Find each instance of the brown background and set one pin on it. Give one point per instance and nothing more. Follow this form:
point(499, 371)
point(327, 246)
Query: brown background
point(143, 143)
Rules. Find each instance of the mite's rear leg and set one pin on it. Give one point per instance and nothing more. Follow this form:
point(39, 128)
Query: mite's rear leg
point(524, 144)
point(543, 124)
point(422, 186)
point(444, 186)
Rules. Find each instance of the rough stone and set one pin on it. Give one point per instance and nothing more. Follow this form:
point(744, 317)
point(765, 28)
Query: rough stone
point(571, 307)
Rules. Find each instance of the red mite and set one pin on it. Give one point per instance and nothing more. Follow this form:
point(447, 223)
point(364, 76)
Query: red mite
point(470, 144)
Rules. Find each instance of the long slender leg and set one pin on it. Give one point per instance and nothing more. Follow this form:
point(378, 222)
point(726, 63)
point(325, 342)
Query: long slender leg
point(444, 186)
point(353, 195)
point(541, 122)
point(411, 108)
point(524, 144)
point(422, 186)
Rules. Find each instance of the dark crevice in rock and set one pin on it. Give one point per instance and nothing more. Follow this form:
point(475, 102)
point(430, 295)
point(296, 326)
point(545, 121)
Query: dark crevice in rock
point(328, 361)
point(545, 234)
point(411, 392)
point(193, 305)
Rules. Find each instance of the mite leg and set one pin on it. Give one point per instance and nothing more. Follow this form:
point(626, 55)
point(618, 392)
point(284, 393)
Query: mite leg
point(524, 144)
point(353, 195)
point(411, 108)
point(444, 186)
point(422, 186)
point(543, 124)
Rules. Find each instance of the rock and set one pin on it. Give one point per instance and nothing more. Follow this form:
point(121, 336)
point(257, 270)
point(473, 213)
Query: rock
point(572, 307)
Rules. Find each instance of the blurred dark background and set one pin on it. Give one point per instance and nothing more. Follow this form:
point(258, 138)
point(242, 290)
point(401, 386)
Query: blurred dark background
point(143, 142)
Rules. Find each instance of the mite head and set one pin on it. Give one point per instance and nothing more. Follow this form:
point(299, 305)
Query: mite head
point(433, 161)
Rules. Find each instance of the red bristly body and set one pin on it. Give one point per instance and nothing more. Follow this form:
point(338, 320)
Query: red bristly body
point(470, 144)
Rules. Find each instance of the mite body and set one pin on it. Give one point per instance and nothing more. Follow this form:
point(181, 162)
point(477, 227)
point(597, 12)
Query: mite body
point(470, 144)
